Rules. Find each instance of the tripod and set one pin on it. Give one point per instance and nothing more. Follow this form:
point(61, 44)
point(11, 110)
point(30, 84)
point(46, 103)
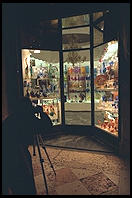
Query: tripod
point(39, 141)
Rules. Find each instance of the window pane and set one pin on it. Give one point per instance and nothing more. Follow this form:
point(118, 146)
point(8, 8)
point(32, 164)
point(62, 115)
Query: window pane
point(106, 87)
point(41, 74)
point(101, 25)
point(77, 88)
point(97, 15)
point(98, 37)
point(76, 38)
point(75, 21)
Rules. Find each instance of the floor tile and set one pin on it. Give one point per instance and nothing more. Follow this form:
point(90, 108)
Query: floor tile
point(98, 184)
point(64, 175)
point(40, 186)
point(39, 183)
point(82, 173)
point(37, 170)
point(74, 188)
point(114, 178)
point(113, 192)
point(124, 182)
point(104, 174)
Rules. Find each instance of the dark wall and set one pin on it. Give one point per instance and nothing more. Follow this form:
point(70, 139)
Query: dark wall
point(124, 73)
point(9, 57)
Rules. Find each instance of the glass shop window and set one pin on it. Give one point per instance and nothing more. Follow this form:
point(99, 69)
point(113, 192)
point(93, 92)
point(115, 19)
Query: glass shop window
point(41, 80)
point(106, 87)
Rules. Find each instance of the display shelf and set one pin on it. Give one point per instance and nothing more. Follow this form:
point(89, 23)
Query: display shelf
point(109, 110)
point(42, 98)
point(107, 89)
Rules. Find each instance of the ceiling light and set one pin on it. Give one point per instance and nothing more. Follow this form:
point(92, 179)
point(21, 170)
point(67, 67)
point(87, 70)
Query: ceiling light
point(37, 51)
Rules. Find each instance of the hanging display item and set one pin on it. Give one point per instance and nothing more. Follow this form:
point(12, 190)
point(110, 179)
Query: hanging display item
point(76, 81)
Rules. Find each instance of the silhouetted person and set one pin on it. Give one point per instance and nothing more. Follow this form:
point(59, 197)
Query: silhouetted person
point(17, 134)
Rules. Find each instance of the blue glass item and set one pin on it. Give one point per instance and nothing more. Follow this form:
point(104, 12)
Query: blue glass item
point(87, 69)
point(101, 69)
point(31, 70)
point(104, 98)
point(95, 70)
point(87, 89)
point(111, 63)
point(116, 97)
point(110, 99)
point(104, 70)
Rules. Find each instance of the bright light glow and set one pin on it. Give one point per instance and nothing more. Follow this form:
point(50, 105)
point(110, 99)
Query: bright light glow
point(112, 49)
point(37, 51)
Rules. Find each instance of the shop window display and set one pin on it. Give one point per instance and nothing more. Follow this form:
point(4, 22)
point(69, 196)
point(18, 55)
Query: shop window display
point(106, 87)
point(41, 81)
point(41, 77)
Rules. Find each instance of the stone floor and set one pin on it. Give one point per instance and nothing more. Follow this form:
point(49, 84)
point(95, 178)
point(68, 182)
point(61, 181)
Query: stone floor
point(79, 142)
point(81, 173)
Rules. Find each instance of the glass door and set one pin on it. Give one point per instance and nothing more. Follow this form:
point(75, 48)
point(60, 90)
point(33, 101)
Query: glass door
point(106, 87)
point(76, 69)
point(41, 80)
point(106, 69)
point(90, 62)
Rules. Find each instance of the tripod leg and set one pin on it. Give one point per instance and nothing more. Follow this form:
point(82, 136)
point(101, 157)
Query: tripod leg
point(49, 159)
point(47, 155)
point(41, 162)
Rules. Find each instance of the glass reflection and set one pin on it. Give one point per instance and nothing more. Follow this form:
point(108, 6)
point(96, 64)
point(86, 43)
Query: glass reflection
point(75, 21)
point(97, 15)
point(98, 37)
point(76, 38)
